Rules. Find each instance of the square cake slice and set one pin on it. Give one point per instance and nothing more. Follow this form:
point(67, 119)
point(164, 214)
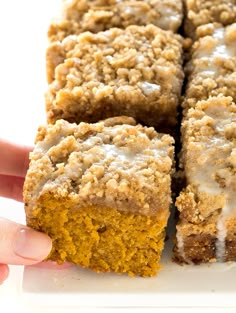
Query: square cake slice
point(99, 15)
point(200, 12)
point(135, 72)
point(211, 69)
point(206, 231)
point(102, 193)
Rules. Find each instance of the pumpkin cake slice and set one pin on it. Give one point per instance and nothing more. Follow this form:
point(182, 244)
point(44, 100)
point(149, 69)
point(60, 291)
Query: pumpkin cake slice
point(206, 230)
point(102, 193)
point(135, 71)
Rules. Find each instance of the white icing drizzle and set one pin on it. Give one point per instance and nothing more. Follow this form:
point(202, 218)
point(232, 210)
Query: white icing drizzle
point(215, 47)
point(221, 236)
point(95, 152)
point(212, 166)
point(149, 88)
point(169, 17)
point(169, 14)
point(222, 48)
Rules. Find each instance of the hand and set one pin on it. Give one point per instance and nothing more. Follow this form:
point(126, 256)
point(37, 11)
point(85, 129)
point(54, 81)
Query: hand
point(18, 244)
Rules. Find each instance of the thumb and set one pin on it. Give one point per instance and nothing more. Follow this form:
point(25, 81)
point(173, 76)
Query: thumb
point(22, 245)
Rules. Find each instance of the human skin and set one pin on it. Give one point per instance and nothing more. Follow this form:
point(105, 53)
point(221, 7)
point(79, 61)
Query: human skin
point(19, 244)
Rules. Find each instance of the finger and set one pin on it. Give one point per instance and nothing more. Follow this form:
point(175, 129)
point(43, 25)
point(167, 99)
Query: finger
point(4, 272)
point(22, 245)
point(14, 159)
point(11, 187)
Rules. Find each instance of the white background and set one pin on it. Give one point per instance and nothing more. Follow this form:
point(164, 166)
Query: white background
point(23, 28)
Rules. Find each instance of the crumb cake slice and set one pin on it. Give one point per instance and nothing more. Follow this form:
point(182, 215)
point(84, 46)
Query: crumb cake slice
point(211, 69)
point(102, 193)
point(99, 15)
point(200, 12)
point(206, 231)
point(135, 72)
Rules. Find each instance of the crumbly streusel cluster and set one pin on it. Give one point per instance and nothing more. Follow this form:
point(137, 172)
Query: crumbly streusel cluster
point(211, 64)
point(98, 15)
point(123, 166)
point(202, 12)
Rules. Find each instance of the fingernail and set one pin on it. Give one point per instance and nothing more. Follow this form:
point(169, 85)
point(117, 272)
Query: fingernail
point(31, 244)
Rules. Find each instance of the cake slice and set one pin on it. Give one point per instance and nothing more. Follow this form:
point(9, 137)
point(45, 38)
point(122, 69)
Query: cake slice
point(135, 72)
point(206, 231)
point(211, 69)
point(99, 15)
point(200, 12)
point(102, 193)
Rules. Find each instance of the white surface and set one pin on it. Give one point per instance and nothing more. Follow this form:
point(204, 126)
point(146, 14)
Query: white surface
point(175, 286)
point(23, 26)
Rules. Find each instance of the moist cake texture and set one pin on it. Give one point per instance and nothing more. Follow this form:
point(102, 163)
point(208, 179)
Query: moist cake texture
point(135, 72)
point(211, 69)
point(98, 15)
point(102, 193)
point(207, 220)
point(200, 12)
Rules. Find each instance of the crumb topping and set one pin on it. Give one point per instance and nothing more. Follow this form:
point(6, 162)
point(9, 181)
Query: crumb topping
point(134, 72)
point(209, 159)
point(100, 15)
point(121, 166)
point(200, 12)
point(211, 68)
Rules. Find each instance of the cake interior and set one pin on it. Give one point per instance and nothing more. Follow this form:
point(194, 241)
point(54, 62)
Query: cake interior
point(101, 238)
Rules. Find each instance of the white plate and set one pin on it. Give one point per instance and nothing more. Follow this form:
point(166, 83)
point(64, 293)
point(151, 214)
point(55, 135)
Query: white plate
point(206, 285)
point(175, 286)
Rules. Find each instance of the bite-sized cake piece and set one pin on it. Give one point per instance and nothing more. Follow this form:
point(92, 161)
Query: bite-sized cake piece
point(206, 231)
point(211, 69)
point(99, 15)
point(135, 72)
point(102, 193)
point(200, 12)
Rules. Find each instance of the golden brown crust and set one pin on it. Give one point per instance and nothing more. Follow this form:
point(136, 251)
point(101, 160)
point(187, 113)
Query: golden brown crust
point(200, 12)
point(135, 72)
point(119, 120)
point(98, 15)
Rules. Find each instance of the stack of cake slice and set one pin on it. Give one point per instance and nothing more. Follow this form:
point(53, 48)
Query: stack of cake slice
point(100, 176)
point(102, 191)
